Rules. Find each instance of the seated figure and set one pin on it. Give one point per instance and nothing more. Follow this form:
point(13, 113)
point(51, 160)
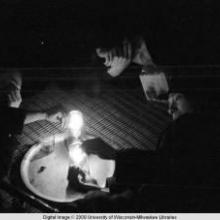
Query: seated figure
point(187, 156)
point(13, 117)
point(118, 58)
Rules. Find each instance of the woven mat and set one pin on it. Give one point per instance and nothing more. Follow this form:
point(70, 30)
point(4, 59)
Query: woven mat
point(120, 117)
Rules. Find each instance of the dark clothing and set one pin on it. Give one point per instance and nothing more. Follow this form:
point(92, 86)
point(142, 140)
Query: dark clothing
point(174, 178)
point(190, 150)
point(12, 120)
point(187, 154)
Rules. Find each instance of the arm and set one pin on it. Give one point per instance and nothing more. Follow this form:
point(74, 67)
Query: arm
point(154, 81)
point(14, 101)
point(119, 58)
point(116, 59)
point(52, 116)
point(34, 116)
point(13, 119)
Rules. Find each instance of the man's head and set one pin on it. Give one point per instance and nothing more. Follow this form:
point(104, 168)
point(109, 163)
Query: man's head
point(10, 86)
point(11, 78)
point(178, 105)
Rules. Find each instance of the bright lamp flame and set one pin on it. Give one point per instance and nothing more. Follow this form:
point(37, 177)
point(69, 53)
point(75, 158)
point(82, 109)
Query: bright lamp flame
point(76, 123)
point(77, 154)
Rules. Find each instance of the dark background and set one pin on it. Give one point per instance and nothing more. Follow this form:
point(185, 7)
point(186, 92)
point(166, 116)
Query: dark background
point(64, 33)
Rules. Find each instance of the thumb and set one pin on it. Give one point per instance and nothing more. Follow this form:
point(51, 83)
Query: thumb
point(101, 53)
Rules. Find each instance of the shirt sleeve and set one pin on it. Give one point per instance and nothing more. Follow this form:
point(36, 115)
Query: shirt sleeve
point(12, 120)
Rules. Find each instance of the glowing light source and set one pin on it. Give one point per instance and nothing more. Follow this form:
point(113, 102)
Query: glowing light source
point(77, 155)
point(75, 123)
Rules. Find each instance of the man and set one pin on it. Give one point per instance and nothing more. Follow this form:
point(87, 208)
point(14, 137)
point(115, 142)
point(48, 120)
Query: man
point(187, 154)
point(188, 135)
point(117, 59)
point(185, 165)
point(13, 118)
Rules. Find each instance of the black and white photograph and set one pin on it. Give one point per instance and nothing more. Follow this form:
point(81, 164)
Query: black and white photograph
point(109, 106)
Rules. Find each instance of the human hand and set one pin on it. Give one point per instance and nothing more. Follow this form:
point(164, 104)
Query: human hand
point(117, 59)
point(56, 116)
point(88, 180)
point(80, 180)
point(178, 105)
point(14, 97)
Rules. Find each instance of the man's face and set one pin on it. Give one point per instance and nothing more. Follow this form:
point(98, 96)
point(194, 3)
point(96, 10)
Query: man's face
point(178, 105)
point(10, 87)
point(13, 79)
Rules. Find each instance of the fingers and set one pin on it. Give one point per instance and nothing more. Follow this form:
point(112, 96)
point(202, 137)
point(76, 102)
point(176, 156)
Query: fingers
point(14, 98)
point(108, 59)
point(10, 99)
point(18, 94)
point(116, 53)
point(111, 56)
point(101, 53)
point(118, 65)
point(58, 117)
point(61, 118)
point(105, 54)
point(64, 121)
point(127, 49)
point(16, 84)
point(15, 95)
point(117, 59)
point(123, 54)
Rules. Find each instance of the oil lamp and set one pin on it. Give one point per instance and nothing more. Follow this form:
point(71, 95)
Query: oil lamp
point(75, 125)
point(95, 169)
